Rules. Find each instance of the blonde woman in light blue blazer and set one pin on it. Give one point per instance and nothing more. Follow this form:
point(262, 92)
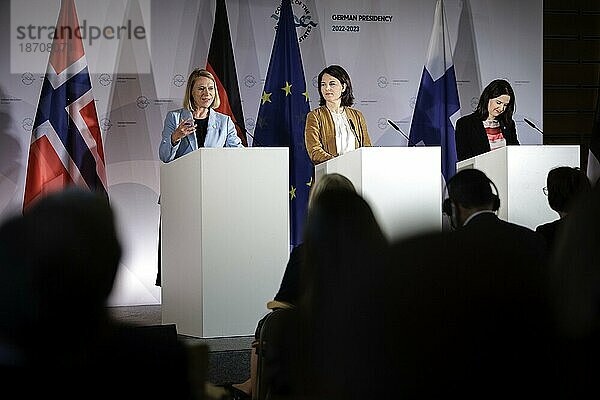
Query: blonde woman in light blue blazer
point(180, 134)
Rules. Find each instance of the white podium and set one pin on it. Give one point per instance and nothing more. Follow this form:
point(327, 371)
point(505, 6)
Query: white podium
point(225, 238)
point(519, 173)
point(401, 184)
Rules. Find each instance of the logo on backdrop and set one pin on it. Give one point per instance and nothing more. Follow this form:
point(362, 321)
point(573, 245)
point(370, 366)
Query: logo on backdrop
point(412, 101)
point(27, 124)
point(304, 24)
point(105, 124)
point(250, 123)
point(178, 80)
point(382, 82)
point(142, 102)
point(315, 82)
point(27, 78)
point(474, 102)
point(249, 81)
point(382, 123)
point(105, 79)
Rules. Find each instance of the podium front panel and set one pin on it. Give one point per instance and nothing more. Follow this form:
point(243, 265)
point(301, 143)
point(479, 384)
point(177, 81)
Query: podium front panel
point(224, 256)
point(401, 184)
point(520, 174)
point(528, 168)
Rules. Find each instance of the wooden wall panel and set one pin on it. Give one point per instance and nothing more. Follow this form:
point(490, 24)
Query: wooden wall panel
point(571, 71)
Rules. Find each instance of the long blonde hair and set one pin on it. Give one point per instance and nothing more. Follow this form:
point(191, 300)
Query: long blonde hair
point(188, 99)
point(333, 181)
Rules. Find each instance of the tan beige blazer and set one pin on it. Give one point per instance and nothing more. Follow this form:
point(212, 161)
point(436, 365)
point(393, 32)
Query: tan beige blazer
point(319, 134)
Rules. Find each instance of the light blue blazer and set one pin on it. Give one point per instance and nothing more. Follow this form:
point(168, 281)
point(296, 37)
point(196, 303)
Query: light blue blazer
point(219, 133)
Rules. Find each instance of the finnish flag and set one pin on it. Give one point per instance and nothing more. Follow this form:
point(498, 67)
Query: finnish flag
point(437, 107)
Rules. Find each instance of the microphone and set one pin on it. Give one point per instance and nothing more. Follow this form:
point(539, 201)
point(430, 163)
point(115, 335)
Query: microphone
point(354, 131)
point(248, 133)
point(531, 124)
point(396, 127)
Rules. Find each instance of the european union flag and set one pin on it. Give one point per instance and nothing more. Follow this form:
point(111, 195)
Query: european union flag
point(282, 115)
point(437, 102)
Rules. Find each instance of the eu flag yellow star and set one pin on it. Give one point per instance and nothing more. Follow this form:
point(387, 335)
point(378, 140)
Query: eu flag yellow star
point(265, 97)
point(287, 88)
point(292, 192)
point(309, 183)
point(305, 94)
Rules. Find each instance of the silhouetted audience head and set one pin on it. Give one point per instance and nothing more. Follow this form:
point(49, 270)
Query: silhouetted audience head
point(564, 184)
point(73, 247)
point(469, 191)
point(67, 245)
point(289, 290)
point(327, 182)
point(341, 230)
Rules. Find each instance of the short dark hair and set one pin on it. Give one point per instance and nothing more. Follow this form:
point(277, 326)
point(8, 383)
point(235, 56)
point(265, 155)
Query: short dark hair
point(564, 185)
point(339, 73)
point(471, 188)
point(497, 88)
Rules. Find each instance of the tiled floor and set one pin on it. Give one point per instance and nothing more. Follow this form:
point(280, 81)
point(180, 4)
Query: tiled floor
point(150, 315)
point(139, 315)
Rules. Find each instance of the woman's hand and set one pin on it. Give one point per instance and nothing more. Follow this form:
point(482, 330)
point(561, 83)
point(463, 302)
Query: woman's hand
point(185, 128)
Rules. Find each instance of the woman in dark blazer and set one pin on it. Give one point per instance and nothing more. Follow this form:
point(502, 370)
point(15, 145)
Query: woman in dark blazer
point(491, 125)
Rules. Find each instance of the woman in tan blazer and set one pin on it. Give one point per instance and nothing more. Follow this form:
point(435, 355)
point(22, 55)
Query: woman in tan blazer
point(334, 128)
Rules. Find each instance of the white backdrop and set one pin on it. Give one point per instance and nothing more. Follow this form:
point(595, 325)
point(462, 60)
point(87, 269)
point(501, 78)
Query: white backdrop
point(135, 82)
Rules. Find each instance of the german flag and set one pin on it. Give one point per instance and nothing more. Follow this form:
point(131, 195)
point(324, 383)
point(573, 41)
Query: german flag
point(221, 64)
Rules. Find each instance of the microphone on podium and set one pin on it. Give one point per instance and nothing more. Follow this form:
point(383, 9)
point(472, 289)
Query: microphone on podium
point(531, 124)
point(396, 127)
point(247, 133)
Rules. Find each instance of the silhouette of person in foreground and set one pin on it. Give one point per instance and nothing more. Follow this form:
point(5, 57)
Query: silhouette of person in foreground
point(575, 284)
point(466, 311)
point(289, 292)
point(59, 262)
point(341, 309)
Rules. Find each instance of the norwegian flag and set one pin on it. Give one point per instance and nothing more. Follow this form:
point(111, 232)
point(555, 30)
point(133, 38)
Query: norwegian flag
point(66, 143)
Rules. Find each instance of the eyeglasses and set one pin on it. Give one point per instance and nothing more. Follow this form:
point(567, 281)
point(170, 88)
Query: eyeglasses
point(545, 190)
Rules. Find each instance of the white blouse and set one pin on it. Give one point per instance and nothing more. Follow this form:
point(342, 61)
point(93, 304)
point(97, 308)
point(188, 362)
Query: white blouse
point(344, 136)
